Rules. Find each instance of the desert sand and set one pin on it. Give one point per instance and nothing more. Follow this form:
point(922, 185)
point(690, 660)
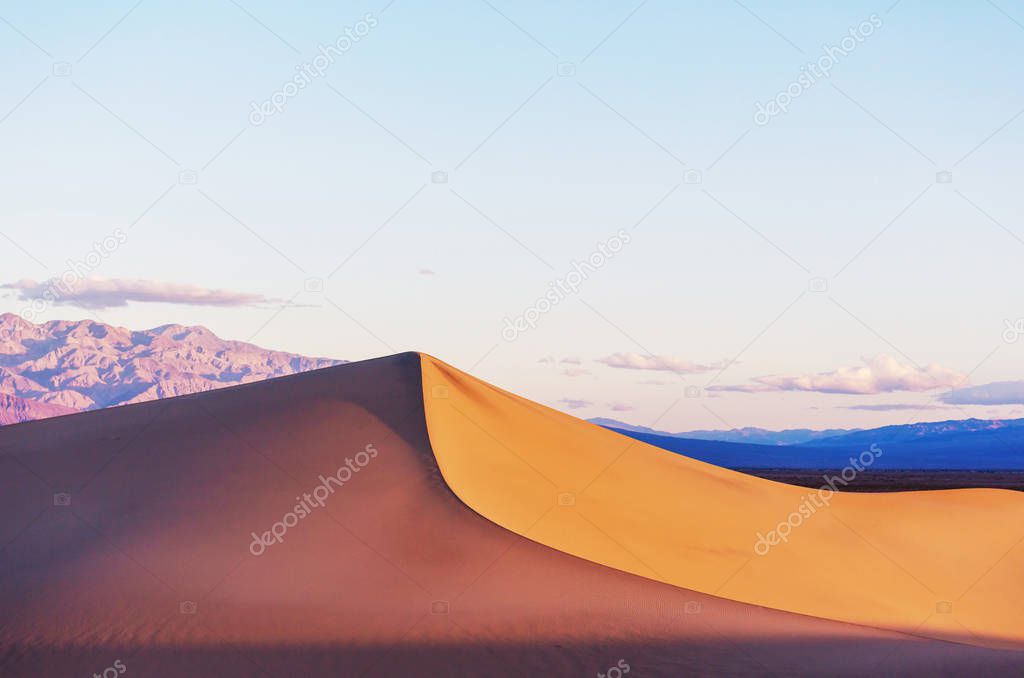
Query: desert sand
point(129, 539)
point(942, 564)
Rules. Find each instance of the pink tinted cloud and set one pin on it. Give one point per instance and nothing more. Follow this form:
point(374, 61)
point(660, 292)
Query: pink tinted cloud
point(995, 393)
point(101, 293)
point(637, 361)
point(880, 374)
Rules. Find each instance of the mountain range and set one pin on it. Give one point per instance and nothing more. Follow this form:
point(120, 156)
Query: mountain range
point(60, 367)
point(14, 410)
point(749, 434)
point(968, 444)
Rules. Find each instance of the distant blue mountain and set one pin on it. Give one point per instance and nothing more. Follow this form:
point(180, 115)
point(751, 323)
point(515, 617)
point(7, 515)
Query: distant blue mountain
point(743, 455)
point(971, 444)
point(934, 430)
point(757, 436)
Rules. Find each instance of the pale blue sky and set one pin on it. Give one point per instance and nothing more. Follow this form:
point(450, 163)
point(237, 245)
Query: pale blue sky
point(541, 167)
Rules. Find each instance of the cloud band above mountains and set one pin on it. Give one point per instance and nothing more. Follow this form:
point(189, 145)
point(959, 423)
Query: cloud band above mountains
point(996, 393)
point(896, 407)
point(102, 293)
point(881, 374)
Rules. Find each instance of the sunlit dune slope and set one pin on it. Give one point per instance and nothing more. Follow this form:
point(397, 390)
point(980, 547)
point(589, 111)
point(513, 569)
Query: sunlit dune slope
point(944, 564)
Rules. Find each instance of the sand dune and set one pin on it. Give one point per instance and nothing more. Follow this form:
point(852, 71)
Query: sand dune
point(941, 564)
point(128, 535)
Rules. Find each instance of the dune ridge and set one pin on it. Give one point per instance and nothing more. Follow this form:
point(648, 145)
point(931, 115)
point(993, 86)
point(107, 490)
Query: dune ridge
point(942, 564)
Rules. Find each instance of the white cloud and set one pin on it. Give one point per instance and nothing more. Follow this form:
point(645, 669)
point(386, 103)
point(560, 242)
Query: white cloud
point(101, 293)
point(895, 407)
point(575, 404)
point(745, 388)
point(426, 271)
point(637, 361)
point(574, 372)
point(620, 407)
point(996, 393)
point(881, 374)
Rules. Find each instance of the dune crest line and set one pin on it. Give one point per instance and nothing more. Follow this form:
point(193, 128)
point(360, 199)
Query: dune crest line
point(940, 564)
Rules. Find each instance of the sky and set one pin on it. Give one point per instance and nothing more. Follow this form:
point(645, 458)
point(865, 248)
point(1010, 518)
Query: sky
point(683, 215)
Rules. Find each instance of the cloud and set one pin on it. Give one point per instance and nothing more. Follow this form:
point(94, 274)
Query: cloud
point(894, 407)
point(426, 271)
point(620, 407)
point(995, 393)
point(745, 388)
point(636, 361)
point(575, 404)
point(573, 362)
point(102, 293)
point(881, 374)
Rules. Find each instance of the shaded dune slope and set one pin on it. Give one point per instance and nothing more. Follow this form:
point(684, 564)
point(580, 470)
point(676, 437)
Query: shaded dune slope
point(144, 557)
